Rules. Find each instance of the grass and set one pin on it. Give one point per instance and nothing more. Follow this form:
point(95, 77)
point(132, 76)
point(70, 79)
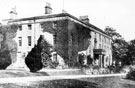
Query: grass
point(103, 82)
point(19, 73)
point(98, 82)
point(68, 83)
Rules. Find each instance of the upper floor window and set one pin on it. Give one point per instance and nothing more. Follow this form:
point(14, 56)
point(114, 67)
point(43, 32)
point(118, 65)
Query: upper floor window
point(99, 37)
point(100, 46)
point(29, 40)
point(95, 35)
point(105, 39)
point(29, 26)
point(20, 28)
point(102, 38)
point(20, 41)
point(110, 41)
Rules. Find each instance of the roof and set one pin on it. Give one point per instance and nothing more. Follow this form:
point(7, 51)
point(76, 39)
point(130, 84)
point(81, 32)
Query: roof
point(60, 15)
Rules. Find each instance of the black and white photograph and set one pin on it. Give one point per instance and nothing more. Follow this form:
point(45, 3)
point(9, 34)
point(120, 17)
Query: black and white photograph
point(67, 43)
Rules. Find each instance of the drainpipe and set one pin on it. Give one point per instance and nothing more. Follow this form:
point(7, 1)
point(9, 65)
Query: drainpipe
point(34, 33)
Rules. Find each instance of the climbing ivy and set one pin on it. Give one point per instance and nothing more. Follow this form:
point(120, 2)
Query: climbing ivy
point(71, 37)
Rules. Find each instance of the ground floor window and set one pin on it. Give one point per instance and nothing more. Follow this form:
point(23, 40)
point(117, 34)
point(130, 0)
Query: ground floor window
point(29, 40)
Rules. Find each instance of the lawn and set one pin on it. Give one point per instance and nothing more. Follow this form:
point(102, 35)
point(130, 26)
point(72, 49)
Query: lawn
point(103, 82)
point(98, 82)
point(67, 83)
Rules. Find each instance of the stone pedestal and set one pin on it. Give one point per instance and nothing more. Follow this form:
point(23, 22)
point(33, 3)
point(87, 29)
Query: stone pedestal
point(19, 64)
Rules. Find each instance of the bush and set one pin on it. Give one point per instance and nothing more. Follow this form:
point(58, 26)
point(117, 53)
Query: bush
point(131, 72)
point(125, 69)
point(33, 60)
point(5, 59)
point(131, 75)
point(39, 56)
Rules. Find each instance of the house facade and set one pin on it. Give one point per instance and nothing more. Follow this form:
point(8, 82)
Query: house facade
point(69, 36)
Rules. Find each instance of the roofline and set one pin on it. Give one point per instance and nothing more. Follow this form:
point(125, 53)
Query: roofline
point(59, 15)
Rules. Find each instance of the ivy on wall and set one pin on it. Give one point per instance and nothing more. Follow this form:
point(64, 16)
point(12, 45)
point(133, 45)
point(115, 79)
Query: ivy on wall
point(71, 37)
point(59, 28)
point(80, 36)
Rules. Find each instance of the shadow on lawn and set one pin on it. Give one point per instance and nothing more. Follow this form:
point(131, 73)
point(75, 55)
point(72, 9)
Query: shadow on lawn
point(65, 83)
point(18, 73)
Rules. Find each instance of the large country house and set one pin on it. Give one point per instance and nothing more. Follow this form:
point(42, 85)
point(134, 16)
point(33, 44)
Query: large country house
point(69, 36)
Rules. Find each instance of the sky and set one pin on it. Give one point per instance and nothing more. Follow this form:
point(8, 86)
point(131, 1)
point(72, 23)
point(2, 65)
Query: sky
point(118, 14)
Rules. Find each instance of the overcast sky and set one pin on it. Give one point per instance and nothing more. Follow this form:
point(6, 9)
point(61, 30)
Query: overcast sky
point(119, 14)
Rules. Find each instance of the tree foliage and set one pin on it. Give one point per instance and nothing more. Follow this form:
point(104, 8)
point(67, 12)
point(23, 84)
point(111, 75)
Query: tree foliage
point(39, 56)
point(33, 59)
point(8, 47)
point(119, 45)
point(131, 52)
point(46, 53)
point(112, 32)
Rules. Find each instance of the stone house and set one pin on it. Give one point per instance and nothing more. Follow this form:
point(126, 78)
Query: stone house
point(69, 36)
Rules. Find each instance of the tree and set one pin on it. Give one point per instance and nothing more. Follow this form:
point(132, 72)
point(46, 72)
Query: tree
point(8, 47)
point(33, 59)
point(131, 52)
point(119, 45)
point(112, 32)
point(39, 56)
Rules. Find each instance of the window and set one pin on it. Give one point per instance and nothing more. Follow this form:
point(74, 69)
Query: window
point(95, 35)
point(105, 39)
point(20, 28)
point(20, 41)
point(29, 40)
point(54, 38)
point(100, 46)
point(99, 37)
point(89, 46)
point(29, 26)
point(109, 41)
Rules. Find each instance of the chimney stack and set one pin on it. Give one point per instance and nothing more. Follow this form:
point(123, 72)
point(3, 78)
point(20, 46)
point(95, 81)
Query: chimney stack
point(13, 13)
point(84, 18)
point(48, 8)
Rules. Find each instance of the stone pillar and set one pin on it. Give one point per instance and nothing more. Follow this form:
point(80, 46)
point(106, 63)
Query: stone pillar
point(103, 61)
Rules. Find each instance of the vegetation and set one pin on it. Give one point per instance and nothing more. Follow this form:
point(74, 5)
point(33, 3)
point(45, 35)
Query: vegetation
point(5, 59)
point(33, 59)
point(39, 56)
point(8, 47)
point(119, 46)
point(45, 53)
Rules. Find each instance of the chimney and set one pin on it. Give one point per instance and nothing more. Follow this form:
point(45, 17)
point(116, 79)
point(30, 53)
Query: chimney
point(48, 8)
point(84, 18)
point(13, 13)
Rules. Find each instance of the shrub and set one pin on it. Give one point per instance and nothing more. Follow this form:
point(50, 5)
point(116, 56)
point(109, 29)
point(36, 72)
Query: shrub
point(45, 52)
point(39, 56)
point(33, 60)
point(131, 72)
point(5, 59)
